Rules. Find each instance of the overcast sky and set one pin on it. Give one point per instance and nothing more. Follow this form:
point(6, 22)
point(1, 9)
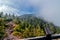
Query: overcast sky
point(49, 9)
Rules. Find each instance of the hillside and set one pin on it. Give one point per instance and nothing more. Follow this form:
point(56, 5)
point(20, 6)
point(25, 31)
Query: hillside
point(24, 26)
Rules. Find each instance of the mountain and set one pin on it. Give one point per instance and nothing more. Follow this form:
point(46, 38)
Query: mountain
point(33, 20)
point(27, 25)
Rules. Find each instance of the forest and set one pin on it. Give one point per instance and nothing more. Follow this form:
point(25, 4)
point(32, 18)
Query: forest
point(24, 26)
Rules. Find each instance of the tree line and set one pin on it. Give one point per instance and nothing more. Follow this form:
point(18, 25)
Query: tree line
point(26, 26)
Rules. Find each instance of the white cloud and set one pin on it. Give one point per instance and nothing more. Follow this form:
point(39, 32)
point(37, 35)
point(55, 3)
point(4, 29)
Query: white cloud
point(49, 9)
point(9, 10)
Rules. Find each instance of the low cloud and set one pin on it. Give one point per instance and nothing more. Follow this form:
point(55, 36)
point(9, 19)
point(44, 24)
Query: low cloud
point(49, 10)
point(9, 10)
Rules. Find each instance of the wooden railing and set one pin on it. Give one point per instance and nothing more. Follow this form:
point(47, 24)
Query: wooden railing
point(49, 36)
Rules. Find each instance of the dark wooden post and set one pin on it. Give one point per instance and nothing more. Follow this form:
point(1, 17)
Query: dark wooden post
point(48, 33)
point(48, 37)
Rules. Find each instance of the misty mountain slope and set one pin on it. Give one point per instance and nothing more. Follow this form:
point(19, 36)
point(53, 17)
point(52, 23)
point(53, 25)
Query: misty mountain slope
point(30, 18)
point(33, 20)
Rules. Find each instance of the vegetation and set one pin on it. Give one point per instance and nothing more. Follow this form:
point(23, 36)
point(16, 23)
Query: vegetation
point(25, 26)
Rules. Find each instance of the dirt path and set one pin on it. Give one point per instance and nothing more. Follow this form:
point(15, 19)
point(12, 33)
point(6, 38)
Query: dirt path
point(9, 35)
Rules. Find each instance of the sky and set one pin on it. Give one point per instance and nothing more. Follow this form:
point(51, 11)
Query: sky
point(20, 7)
point(48, 9)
